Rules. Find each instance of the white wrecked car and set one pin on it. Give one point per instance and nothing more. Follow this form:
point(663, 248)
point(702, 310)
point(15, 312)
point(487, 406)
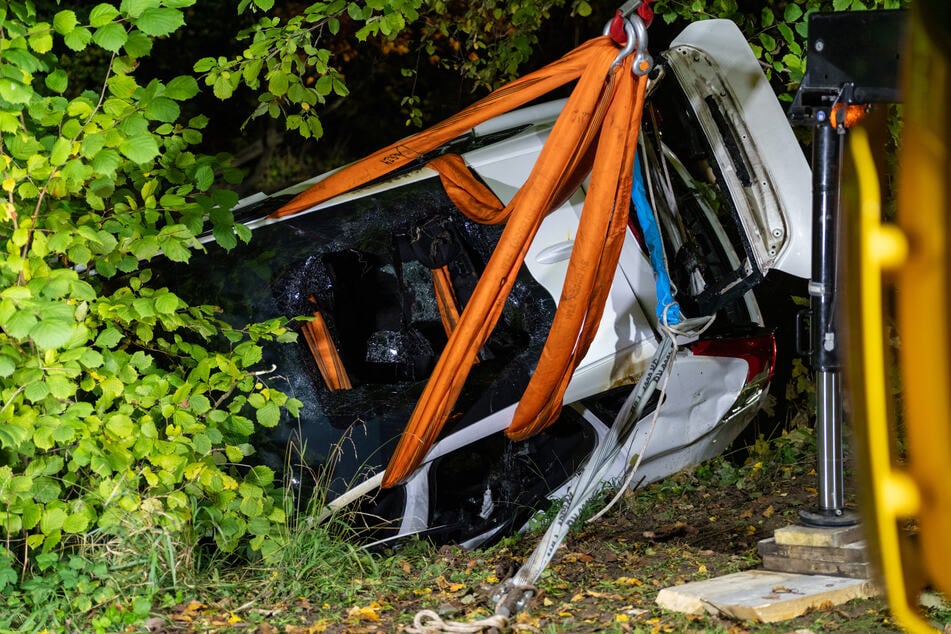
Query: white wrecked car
point(731, 193)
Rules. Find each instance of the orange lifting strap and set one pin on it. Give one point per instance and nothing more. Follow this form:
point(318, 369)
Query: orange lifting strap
point(446, 299)
point(596, 132)
point(322, 347)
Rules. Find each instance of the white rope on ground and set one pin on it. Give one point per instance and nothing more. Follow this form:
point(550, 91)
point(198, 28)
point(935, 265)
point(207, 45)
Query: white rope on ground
point(428, 622)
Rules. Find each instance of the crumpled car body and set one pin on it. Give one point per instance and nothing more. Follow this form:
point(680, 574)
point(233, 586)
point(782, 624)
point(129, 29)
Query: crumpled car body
point(730, 189)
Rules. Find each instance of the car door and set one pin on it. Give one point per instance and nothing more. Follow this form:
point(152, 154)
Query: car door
point(731, 133)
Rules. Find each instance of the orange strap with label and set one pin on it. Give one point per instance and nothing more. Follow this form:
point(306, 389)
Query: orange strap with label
point(405, 152)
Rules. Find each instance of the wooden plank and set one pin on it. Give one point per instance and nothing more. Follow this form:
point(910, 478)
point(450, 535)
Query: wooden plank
point(853, 553)
point(763, 595)
point(833, 537)
point(861, 570)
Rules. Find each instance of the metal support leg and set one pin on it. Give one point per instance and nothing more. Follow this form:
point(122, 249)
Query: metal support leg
point(827, 156)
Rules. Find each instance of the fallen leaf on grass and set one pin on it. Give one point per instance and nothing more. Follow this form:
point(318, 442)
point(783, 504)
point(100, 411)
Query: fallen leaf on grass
point(575, 557)
point(448, 586)
point(604, 595)
point(313, 628)
point(365, 613)
point(266, 628)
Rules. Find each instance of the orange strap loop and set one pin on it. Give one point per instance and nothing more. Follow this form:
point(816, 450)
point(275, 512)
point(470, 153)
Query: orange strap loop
point(322, 347)
point(402, 153)
point(594, 258)
point(468, 193)
point(563, 158)
point(446, 299)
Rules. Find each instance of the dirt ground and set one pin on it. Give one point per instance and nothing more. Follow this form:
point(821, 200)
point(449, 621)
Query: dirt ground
point(604, 578)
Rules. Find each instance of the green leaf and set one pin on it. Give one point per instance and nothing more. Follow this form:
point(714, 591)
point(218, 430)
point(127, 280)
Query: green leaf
point(175, 251)
point(65, 21)
point(260, 475)
point(76, 523)
point(793, 12)
point(252, 507)
point(19, 324)
point(840, 5)
point(222, 88)
point(109, 337)
point(41, 42)
point(7, 365)
point(225, 237)
point(120, 425)
point(134, 8)
point(233, 453)
point(181, 88)
point(57, 81)
point(138, 45)
point(278, 82)
point(204, 65)
point(787, 34)
point(110, 37)
point(166, 303)
point(102, 14)
point(61, 387)
point(51, 333)
point(264, 5)
point(78, 39)
point(204, 177)
point(162, 109)
point(159, 22)
point(52, 520)
point(12, 436)
point(324, 85)
point(139, 149)
point(122, 86)
point(269, 415)
point(105, 162)
point(14, 91)
point(59, 153)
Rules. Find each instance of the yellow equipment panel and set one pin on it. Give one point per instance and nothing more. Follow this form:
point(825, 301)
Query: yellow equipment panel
point(904, 443)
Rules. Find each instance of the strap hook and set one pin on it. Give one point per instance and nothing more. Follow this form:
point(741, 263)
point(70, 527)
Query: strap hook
point(636, 32)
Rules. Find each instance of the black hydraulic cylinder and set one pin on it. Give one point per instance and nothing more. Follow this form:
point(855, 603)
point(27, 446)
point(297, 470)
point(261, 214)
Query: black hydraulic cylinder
point(826, 161)
point(826, 158)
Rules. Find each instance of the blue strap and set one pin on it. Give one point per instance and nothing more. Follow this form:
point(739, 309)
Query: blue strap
point(668, 310)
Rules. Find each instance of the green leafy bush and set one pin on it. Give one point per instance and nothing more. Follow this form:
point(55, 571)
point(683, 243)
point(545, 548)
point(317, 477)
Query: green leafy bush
point(125, 414)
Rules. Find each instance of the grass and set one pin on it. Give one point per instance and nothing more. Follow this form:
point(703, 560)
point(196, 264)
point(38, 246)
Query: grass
point(605, 578)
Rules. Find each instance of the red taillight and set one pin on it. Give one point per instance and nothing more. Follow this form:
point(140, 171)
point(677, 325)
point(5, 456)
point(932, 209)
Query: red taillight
point(759, 352)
